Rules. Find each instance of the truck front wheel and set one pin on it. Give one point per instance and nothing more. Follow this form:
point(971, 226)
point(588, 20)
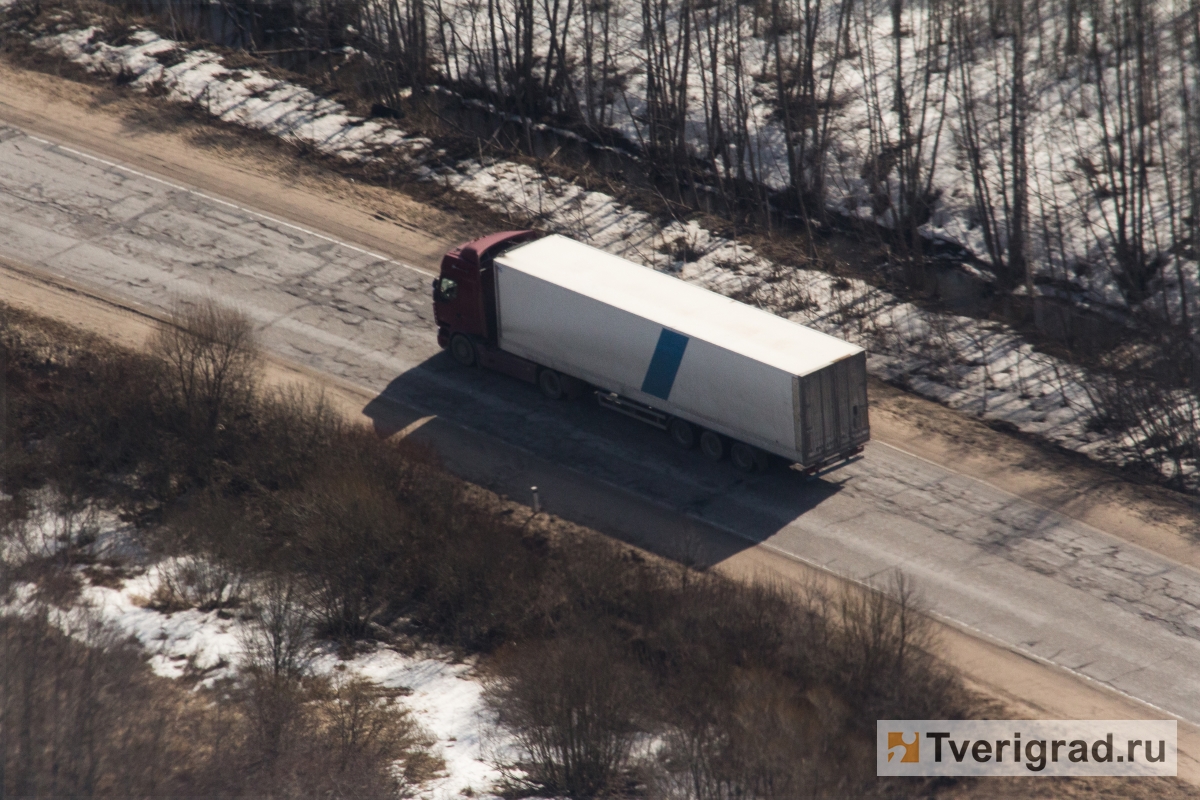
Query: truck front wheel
point(462, 349)
point(712, 445)
point(551, 384)
point(682, 433)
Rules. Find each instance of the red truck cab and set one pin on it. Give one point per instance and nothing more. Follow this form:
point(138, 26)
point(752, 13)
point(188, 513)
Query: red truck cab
point(464, 303)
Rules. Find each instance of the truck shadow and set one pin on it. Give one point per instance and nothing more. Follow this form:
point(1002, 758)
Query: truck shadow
point(591, 466)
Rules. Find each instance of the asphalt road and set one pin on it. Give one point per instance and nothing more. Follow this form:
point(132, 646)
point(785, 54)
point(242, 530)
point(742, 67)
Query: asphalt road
point(984, 560)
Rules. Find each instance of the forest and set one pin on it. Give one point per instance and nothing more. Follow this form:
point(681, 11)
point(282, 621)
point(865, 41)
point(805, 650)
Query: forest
point(1053, 140)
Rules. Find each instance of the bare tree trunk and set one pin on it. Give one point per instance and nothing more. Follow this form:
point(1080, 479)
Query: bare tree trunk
point(1073, 15)
point(1018, 268)
point(906, 134)
point(667, 31)
point(805, 99)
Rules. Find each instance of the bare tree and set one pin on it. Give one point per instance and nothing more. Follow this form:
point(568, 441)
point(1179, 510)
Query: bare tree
point(396, 34)
point(1122, 69)
point(279, 637)
point(601, 77)
point(906, 94)
point(804, 88)
point(667, 33)
point(212, 357)
point(993, 133)
point(573, 705)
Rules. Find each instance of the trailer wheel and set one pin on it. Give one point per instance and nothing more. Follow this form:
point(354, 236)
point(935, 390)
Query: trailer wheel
point(682, 433)
point(712, 445)
point(745, 457)
point(551, 384)
point(462, 349)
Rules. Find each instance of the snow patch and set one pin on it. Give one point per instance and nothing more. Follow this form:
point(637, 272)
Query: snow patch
point(448, 701)
point(446, 698)
point(245, 97)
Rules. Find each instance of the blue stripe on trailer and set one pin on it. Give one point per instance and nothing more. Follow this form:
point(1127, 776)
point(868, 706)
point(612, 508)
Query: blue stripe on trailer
point(668, 355)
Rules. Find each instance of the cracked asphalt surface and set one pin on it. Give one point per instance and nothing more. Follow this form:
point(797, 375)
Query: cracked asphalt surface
point(1022, 575)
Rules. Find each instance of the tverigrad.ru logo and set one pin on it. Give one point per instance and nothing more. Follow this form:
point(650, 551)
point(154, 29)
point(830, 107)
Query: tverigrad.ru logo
point(1026, 747)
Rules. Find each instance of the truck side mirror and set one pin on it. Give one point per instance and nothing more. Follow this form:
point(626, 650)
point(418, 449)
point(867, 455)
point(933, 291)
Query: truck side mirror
point(445, 289)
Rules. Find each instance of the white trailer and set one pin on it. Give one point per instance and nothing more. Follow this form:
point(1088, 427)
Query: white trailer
point(700, 365)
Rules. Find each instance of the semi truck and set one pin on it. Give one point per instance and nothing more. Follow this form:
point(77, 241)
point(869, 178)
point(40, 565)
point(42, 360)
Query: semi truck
point(733, 380)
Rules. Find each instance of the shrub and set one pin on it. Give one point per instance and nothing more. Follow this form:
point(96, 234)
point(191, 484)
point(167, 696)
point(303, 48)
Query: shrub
point(279, 638)
point(81, 716)
point(366, 728)
point(575, 705)
point(210, 547)
point(212, 362)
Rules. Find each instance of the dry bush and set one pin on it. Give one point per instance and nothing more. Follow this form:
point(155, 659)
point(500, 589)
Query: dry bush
point(348, 544)
point(757, 690)
point(279, 637)
point(761, 736)
point(83, 718)
point(146, 430)
point(82, 715)
point(367, 727)
point(74, 414)
point(212, 363)
point(210, 547)
point(273, 709)
point(287, 737)
point(109, 420)
point(576, 707)
point(14, 388)
point(294, 426)
point(197, 582)
point(378, 531)
point(479, 581)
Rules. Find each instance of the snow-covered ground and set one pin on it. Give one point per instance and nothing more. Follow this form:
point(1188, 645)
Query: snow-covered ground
point(444, 696)
point(947, 61)
point(982, 368)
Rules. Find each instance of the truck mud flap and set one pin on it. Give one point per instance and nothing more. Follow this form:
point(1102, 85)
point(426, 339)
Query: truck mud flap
point(833, 463)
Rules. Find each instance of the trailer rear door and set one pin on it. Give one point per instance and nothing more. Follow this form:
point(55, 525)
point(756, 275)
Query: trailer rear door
point(832, 417)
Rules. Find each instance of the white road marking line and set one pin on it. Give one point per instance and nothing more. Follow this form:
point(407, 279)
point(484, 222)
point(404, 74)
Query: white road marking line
point(228, 204)
point(1120, 541)
point(413, 426)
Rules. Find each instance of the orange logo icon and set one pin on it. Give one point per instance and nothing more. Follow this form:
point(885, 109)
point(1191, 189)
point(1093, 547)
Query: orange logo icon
point(909, 752)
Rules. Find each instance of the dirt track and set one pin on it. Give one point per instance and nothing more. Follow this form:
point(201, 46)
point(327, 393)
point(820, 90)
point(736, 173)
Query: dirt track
point(260, 176)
